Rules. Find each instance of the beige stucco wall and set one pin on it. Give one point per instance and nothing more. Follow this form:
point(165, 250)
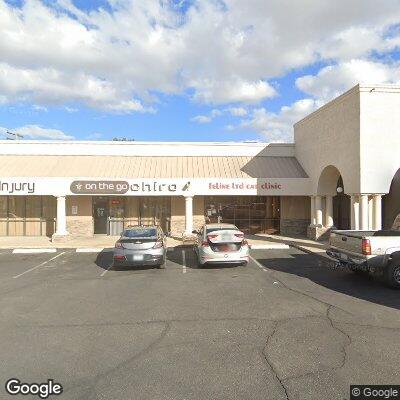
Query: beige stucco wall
point(132, 210)
point(330, 136)
point(380, 137)
point(80, 224)
point(178, 214)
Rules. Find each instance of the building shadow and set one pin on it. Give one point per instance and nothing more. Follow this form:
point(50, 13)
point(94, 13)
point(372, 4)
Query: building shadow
point(341, 280)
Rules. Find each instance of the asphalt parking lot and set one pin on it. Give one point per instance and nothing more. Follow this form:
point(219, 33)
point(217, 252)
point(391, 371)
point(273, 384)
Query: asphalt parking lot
point(286, 326)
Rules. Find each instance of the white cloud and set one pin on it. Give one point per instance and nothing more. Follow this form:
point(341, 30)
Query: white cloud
point(237, 111)
point(333, 80)
point(277, 127)
point(222, 52)
point(201, 119)
point(37, 132)
point(234, 91)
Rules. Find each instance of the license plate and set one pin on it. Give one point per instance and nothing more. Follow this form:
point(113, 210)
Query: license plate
point(225, 237)
point(138, 257)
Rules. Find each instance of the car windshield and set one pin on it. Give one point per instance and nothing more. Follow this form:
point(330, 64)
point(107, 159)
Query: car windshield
point(229, 228)
point(140, 232)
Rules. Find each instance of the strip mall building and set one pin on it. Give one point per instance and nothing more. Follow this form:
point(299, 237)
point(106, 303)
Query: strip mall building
point(343, 170)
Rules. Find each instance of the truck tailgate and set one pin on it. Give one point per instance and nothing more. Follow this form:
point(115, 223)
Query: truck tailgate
point(349, 241)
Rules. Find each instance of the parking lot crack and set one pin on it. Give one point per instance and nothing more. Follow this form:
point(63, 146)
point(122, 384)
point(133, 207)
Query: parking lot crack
point(346, 335)
point(266, 358)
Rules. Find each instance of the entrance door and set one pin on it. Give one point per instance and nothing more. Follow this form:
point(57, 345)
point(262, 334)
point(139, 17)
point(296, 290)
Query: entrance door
point(100, 215)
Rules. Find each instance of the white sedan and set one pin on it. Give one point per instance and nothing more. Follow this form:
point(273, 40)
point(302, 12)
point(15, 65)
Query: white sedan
point(221, 244)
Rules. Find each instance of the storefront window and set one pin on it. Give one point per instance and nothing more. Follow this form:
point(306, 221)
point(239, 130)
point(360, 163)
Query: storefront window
point(117, 208)
point(16, 207)
point(27, 215)
point(49, 204)
point(251, 214)
point(3, 207)
point(33, 207)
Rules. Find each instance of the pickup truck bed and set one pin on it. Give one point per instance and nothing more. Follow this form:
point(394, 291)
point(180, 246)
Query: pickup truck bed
point(376, 252)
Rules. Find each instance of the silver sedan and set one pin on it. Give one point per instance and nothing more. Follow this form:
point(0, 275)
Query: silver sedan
point(141, 245)
point(221, 244)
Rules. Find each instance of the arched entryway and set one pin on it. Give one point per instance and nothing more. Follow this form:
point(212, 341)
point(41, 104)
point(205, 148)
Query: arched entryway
point(341, 207)
point(391, 202)
point(331, 189)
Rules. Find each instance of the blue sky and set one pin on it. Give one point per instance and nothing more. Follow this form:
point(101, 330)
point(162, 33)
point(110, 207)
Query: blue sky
point(185, 71)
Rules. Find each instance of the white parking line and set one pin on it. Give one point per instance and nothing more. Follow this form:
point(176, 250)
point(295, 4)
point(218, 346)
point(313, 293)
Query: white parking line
point(265, 269)
point(106, 270)
point(33, 251)
point(40, 265)
point(183, 262)
point(90, 250)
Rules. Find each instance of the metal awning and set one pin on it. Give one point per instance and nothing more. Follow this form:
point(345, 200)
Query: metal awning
point(131, 167)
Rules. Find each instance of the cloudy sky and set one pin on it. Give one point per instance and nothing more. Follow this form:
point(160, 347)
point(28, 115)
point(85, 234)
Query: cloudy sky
point(186, 70)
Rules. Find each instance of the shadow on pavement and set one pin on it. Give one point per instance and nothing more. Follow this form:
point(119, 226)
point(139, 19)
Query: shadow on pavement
point(105, 258)
point(340, 280)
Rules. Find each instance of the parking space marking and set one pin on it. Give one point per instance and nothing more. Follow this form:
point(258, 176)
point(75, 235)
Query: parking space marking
point(265, 269)
point(106, 270)
point(183, 262)
point(40, 265)
point(89, 250)
point(33, 251)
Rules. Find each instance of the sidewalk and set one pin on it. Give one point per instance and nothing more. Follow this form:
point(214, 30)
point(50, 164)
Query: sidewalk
point(298, 242)
point(40, 242)
point(259, 241)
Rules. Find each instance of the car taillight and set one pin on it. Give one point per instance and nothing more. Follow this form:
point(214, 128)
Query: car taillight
point(212, 236)
point(118, 245)
point(120, 258)
point(158, 244)
point(366, 247)
point(239, 235)
point(204, 244)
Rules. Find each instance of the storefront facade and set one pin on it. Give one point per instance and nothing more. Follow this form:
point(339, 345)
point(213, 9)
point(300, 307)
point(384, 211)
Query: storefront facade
point(336, 174)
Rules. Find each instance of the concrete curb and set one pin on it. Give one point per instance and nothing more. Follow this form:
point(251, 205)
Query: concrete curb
point(325, 257)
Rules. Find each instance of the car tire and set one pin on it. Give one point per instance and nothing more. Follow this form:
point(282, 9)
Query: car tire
point(162, 265)
point(392, 274)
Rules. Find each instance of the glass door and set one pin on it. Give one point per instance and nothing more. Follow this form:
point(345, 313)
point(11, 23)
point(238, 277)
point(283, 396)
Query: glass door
point(100, 215)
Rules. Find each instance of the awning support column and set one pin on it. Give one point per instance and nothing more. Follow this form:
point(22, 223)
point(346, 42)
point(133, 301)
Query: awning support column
point(61, 222)
point(328, 211)
point(188, 214)
point(364, 212)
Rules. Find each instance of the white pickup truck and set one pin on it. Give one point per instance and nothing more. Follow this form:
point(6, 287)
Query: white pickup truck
point(375, 252)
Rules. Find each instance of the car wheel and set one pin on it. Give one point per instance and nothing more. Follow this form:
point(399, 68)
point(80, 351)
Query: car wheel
point(392, 274)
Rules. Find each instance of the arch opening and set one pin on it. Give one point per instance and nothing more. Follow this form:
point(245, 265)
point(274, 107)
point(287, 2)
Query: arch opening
point(331, 183)
point(391, 202)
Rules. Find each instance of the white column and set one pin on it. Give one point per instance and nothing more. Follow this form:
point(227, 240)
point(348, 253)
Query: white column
point(377, 212)
point(313, 218)
point(329, 211)
point(318, 210)
point(188, 214)
point(370, 213)
point(354, 212)
point(61, 222)
point(364, 212)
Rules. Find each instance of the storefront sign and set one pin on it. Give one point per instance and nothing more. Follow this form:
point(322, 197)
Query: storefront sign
point(17, 187)
point(124, 187)
point(156, 187)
